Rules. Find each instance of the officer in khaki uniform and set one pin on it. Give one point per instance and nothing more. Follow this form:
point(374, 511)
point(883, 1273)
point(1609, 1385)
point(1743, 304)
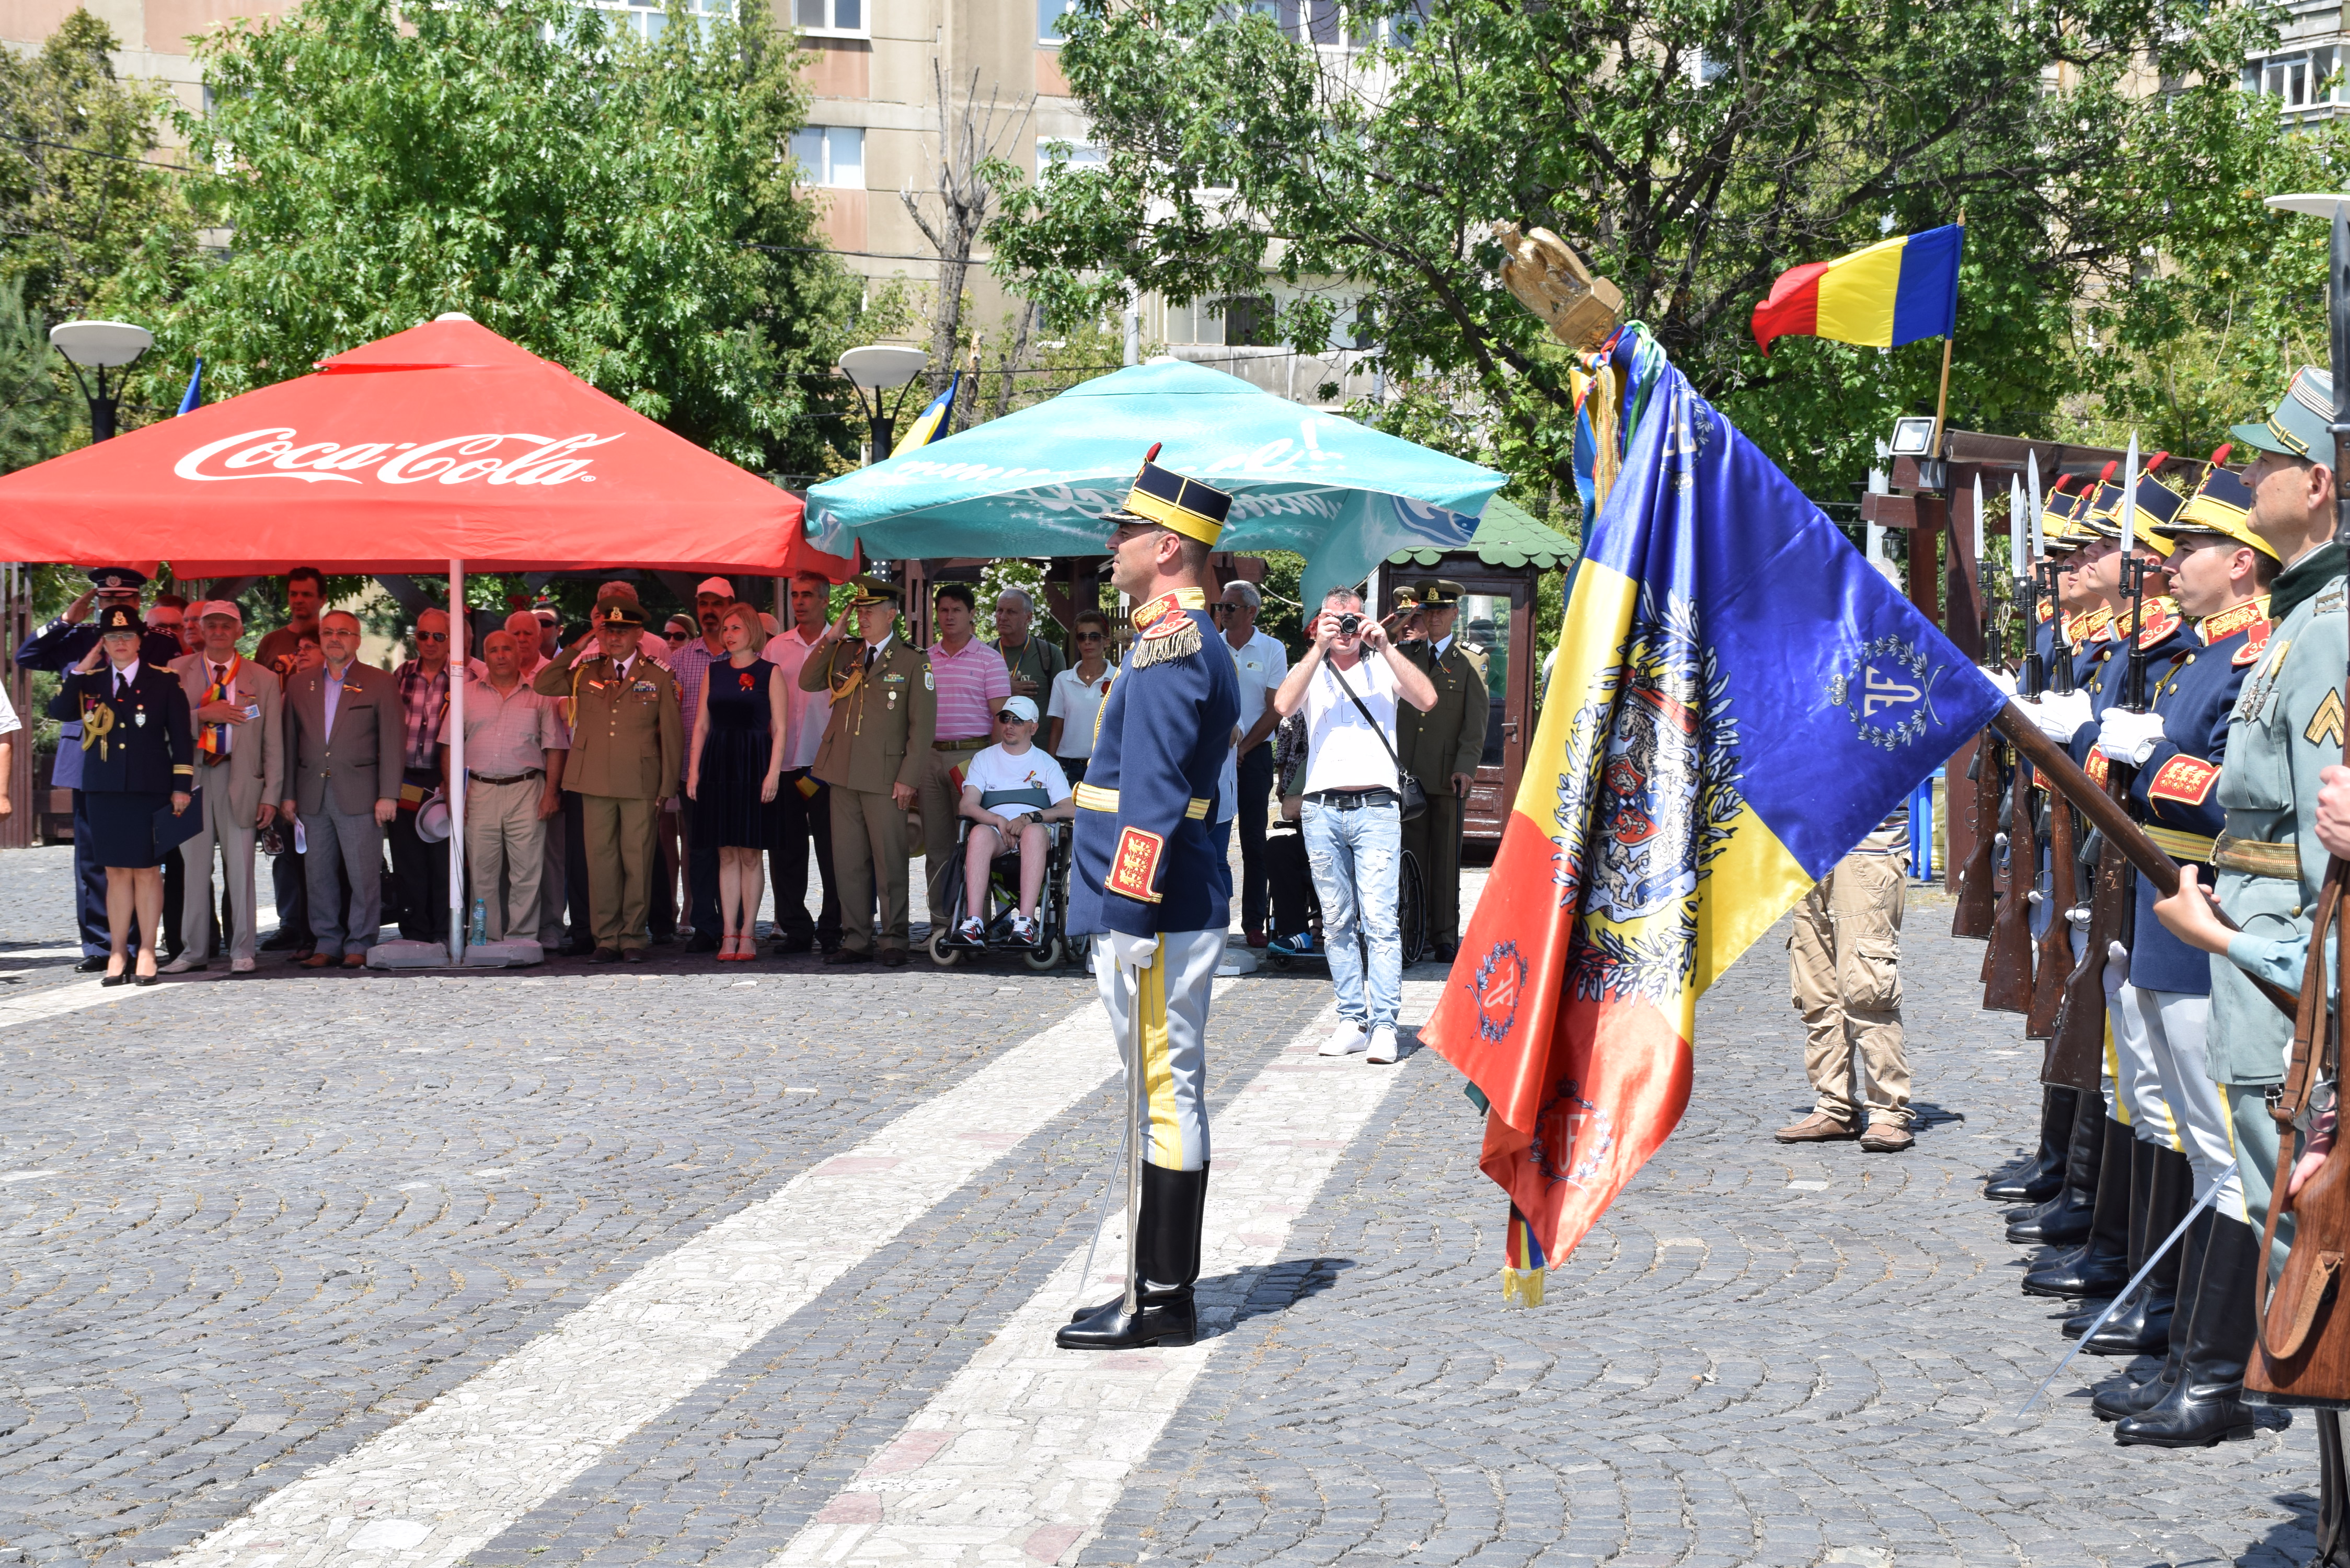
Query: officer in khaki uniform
point(1442, 748)
point(876, 744)
point(628, 741)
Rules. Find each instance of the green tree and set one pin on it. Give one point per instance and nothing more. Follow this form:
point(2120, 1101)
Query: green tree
point(36, 415)
point(1691, 151)
point(620, 206)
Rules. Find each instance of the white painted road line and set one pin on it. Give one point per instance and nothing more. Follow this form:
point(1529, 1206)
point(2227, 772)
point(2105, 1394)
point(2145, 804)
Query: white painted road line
point(56, 1001)
point(451, 1476)
point(1023, 1454)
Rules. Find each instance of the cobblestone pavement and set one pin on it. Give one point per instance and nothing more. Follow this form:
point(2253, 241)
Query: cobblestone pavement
point(255, 1232)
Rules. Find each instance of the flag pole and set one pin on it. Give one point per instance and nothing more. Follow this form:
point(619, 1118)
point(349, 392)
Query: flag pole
point(1942, 398)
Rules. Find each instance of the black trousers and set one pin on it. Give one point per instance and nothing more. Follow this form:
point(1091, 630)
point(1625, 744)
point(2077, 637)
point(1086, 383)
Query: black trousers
point(701, 873)
point(89, 890)
point(574, 872)
point(1290, 878)
point(806, 818)
point(420, 871)
point(290, 880)
point(1255, 805)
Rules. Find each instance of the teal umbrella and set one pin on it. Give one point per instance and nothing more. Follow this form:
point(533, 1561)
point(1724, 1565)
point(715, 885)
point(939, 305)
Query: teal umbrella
point(1036, 483)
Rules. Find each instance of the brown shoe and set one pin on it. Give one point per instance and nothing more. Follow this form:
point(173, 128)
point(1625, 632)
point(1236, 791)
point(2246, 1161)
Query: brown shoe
point(319, 961)
point(847, 955)
point(354, 961)
point(1817, 1127)
point(1886, 1136)
point(893, 957)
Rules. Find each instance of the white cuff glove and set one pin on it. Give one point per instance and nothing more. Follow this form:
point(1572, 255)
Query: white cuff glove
point(2127, 737)
point(1130, 952)
point(2060, 716)
point(2001, 679)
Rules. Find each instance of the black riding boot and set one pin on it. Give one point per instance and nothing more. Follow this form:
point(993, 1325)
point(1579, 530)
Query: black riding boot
point(2100, 1267)
point(2123, 1398)
point(2332, 1494)
point(2042, 1175)
point(2143, 1326)
point(2064, 1218)
point(1166, 1261)
point(2206, 1405)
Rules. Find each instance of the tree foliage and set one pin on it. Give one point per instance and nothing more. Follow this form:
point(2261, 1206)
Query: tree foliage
point(623, 207)
point(1691, 152)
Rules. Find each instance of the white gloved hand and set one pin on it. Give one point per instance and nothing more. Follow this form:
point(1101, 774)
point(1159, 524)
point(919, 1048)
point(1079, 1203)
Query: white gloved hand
point(2001, 679)
point(1131, 952)
point(2127, 737)
point(2060, 715)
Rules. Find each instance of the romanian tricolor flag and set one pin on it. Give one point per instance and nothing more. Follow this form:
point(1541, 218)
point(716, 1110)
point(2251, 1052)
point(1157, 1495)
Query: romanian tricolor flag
point(1738, 699)
point(932, 423)
point(1886, 295)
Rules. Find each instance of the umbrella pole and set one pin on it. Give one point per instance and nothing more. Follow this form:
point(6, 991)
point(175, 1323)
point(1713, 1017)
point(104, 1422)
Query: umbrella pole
point(458, 655)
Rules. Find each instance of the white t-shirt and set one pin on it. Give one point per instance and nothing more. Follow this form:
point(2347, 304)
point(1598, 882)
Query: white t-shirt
point(1343, 752)
point(1261, 664)
point(806, 713)
point(996, 768)
point(1075, 702)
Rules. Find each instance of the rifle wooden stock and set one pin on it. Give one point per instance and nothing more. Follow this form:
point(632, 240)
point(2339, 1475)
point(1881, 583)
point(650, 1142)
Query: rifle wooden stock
point(2075, 1053)
point(2007, 986)
point(1974, 915)
point(2106, 815)
point(2054, 957)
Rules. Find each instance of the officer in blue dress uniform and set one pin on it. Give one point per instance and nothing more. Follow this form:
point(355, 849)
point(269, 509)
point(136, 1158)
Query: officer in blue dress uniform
point(57, 646)
point(1149, 888)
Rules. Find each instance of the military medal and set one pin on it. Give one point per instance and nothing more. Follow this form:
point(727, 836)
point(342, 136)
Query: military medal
point(140, 718)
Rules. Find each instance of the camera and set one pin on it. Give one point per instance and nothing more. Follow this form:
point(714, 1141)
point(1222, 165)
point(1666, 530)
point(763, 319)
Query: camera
point(1349, 623)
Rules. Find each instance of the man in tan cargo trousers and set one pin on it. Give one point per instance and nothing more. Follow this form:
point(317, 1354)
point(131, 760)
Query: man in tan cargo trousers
point(1846, 958)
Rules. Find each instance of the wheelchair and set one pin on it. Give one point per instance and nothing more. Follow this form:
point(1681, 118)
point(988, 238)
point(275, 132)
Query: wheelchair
point(1051, 949)
point(1411, 906)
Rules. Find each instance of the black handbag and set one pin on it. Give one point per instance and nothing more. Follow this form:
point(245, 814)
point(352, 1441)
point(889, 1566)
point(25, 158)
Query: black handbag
point(1415, 799)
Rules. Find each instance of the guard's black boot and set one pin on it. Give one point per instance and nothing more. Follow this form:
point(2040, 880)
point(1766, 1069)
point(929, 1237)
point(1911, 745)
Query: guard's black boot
point(2206, 1405)
point(1167, 1263)
point(2333, 1494)
point(2123, 1398)
point(2100, 1267)
point(2143, 1326)
point(2041, 1177)
point(2065, 1219)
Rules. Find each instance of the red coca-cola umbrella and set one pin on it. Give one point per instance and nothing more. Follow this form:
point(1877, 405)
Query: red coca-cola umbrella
point(441, 449)
point(443, 444)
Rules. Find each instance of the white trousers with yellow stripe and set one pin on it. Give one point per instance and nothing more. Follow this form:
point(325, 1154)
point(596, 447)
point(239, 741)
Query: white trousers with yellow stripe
point(2174, 1028)
point(1168, 1002)
point(2136, 1099)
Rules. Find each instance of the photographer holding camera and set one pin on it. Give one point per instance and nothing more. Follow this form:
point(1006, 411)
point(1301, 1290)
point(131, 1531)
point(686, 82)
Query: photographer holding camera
point(1354, 808)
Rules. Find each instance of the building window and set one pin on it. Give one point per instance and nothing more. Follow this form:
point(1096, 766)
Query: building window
point(831, 18)
point(650, 18)
point(2296, 81)
point(1249, 322)
point(1048, 18)
point(830, 155)
point(1070, 155)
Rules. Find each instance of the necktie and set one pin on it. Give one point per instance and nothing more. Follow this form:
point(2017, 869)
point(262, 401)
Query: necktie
point(216, 743)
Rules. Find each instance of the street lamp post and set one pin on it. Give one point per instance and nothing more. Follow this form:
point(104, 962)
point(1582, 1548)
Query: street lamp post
point(874, 370)
point(99, 345)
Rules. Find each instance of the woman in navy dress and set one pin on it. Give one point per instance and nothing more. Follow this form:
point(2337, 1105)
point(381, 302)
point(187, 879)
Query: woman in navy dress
point(735, 769)
point(139, 760)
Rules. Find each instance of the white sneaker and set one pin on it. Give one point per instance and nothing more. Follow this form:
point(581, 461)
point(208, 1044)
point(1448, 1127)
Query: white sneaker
point(1383, 1043)
point(239, 966)
point(1348, 1038)
point(183, 964)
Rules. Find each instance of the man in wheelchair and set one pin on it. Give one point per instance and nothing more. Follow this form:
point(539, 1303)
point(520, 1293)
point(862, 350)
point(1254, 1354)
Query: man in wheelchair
point(1009, 791)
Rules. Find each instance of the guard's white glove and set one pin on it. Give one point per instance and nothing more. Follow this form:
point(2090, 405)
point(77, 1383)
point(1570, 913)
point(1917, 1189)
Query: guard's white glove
point(1130, 952)
point(1999, 678)
point(2127, 737)
point(2060, 715)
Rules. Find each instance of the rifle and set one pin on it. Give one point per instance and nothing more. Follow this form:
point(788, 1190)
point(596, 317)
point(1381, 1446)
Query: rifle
point(1974, 916)
point(2007, 964)
point(2054, 954)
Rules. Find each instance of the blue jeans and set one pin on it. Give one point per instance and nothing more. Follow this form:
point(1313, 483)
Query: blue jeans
point(1355, 855)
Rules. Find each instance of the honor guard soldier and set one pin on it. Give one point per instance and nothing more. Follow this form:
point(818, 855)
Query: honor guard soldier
point(876, 744)
point(2219, 569)
point(2285, 729)
point(1442, 748)
point(628, 741)
point(1147, 887)
point(56, 647)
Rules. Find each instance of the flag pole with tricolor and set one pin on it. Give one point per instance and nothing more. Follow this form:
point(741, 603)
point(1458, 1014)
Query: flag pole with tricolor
point(1902, 290)
point(1739, 700)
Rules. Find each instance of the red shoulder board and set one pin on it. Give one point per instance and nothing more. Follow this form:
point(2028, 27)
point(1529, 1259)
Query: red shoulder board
point(2254, 646)
point(2187, 780)
point(1167, 626)
point(2097, 768)
point(2159, 623)
point(2229, 622)
point(1134, 868)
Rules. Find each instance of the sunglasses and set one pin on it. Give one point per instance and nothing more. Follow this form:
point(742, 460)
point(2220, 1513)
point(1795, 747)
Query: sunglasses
point(431, 637)
point(1089, 635)
point(1009, 717)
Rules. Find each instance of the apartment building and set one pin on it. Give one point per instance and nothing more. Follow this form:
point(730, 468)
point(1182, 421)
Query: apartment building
point(2304, 71)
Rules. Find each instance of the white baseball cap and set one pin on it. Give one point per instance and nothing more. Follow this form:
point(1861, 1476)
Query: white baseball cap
point(219, 607)
point(719, 585)
point(1019, 706)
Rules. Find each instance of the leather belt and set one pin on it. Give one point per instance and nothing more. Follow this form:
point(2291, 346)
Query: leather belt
point(2188, 849)
point(509, 779)
point(2254, 857)
point(1093, 797)
point(1353, 799)
point(972, 744)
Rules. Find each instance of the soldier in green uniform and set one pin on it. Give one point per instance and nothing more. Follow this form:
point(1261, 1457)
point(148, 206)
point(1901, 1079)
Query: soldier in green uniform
point(876, 746)
point(1442, 748)
point(2286, 727)
point(627, 742)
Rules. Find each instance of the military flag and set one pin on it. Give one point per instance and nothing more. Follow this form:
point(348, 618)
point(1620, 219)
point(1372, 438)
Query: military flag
point(1738, 699)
